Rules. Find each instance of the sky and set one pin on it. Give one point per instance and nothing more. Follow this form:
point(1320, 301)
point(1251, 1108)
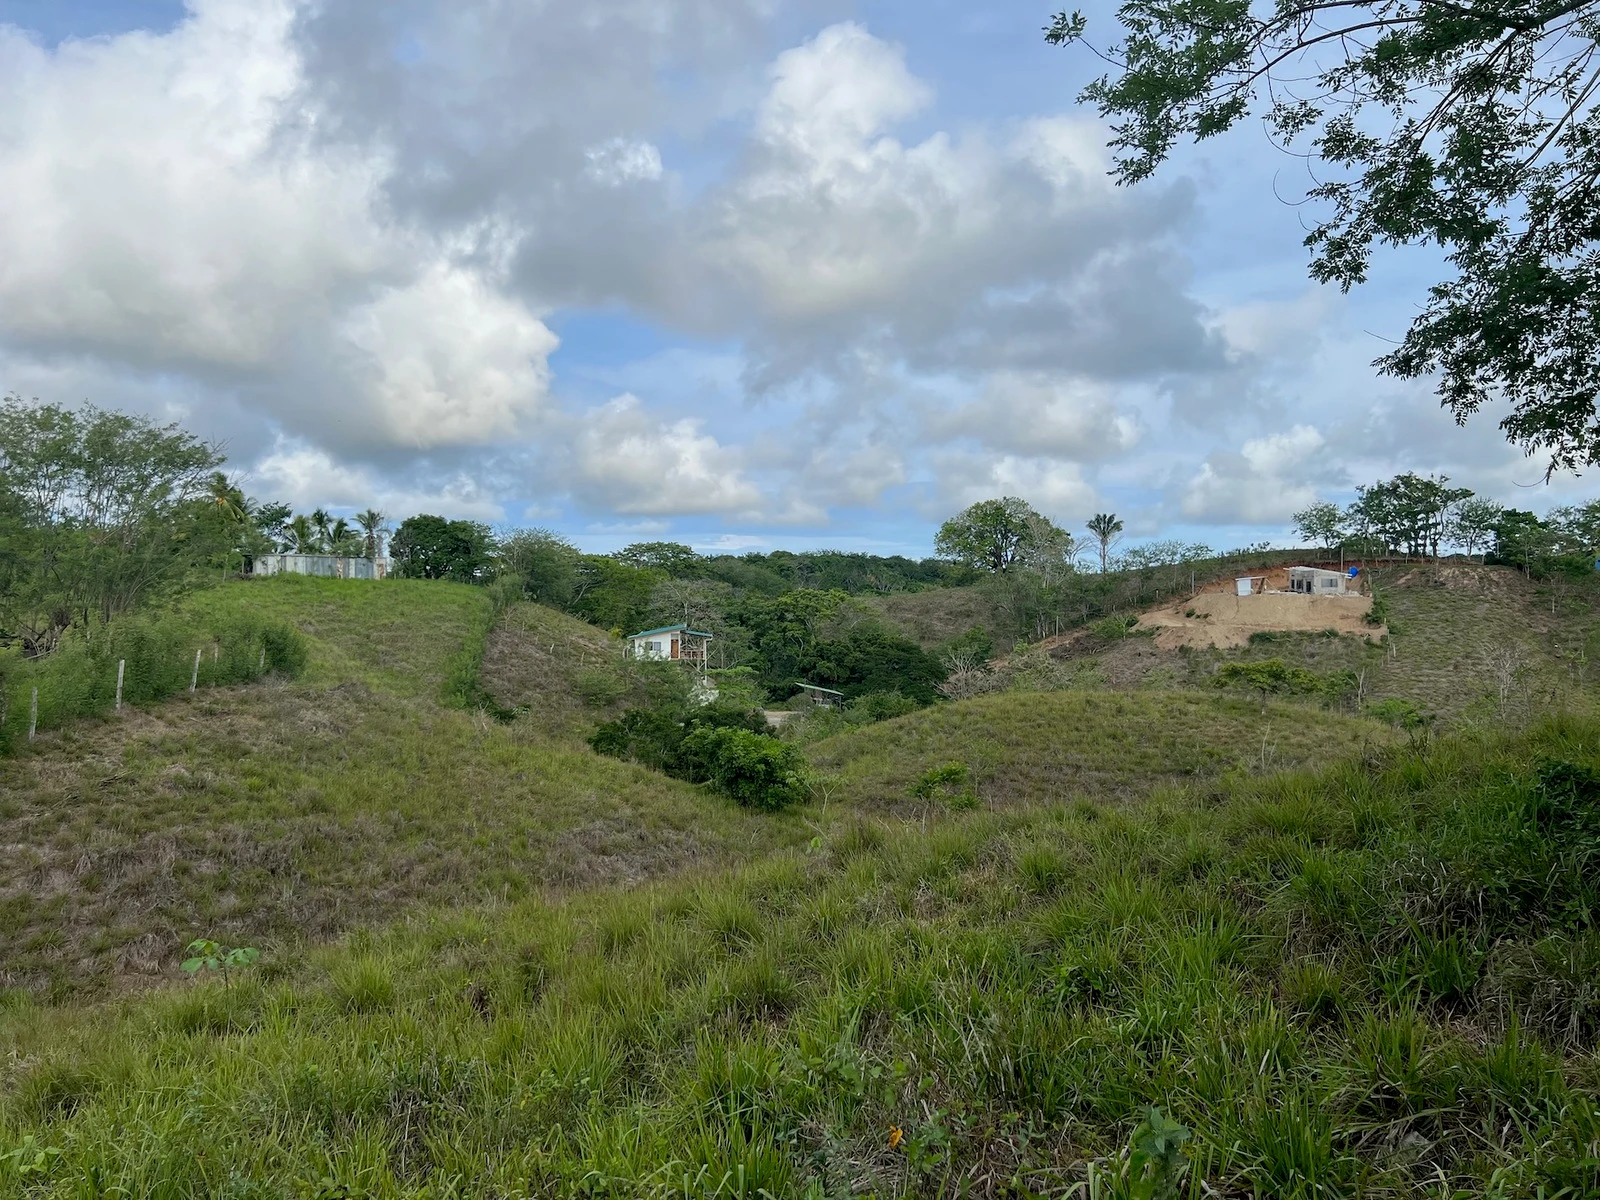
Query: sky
point(746, 274)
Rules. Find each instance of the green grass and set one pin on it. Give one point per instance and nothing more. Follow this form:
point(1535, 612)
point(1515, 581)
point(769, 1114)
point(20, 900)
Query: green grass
point(286, 812)
point(1371, 980)
point(1473, 646)
point(1051, 747)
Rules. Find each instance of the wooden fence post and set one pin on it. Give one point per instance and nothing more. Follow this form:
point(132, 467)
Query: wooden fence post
point(122, 664)
point(262, 669)
point(33, 715)
point(194, 680)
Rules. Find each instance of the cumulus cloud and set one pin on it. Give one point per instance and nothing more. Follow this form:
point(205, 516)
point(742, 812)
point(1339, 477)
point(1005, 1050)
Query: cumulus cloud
point(629, 462)
point(347, 233)
point(1263, 483)
point(1038, 414)
point(166, 207)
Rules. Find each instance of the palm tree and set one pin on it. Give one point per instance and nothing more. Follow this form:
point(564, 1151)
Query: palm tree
point(322, 523)
point(344, 540)
point(374, 525)
point(1105, 527)
point(303, 534)
point(228, 500)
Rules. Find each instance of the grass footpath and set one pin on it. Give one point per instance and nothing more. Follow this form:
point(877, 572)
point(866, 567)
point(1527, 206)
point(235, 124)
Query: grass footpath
point(284, 812)
point(1374, 980)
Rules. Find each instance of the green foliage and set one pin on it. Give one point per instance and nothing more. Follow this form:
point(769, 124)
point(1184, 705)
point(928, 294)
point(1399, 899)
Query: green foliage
point(100, 513)
point(1113, 629)
point(869, 659)
point(543, 564)
point(430, 547)
point(995, 535)
point(659, 735)
point(1470, 127)
point(1321, 524)
point(79, 677)
point(207, 955)
point(756, 771)
point(950, 784)
point(1105, 529)
point(1268, 677)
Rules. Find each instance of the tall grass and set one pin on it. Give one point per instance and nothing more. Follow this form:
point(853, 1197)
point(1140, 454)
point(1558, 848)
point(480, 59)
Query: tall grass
point(79, 678)
point(1374, 980)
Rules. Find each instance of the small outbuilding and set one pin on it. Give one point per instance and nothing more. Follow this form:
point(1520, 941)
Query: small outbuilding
point(1314, 581)
point(676, 643)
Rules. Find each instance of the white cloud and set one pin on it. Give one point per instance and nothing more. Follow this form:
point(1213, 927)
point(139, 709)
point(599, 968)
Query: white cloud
point(1036, 414)
point(1057, 489)
point(167, 206)
point(629, 462)
point(1264, 483)
point(618, 161)
point(451, 360)
point(307, 477)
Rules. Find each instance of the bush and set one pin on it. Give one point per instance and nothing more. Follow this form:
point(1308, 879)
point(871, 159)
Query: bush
point(79, 677)
point(658, 736)
point(879, 706)
point(755, 770)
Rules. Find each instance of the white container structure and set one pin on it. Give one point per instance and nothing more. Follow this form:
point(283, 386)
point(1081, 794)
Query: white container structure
point(334, 566)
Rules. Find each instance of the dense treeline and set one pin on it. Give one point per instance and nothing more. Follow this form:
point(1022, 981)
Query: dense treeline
point(1423, 516)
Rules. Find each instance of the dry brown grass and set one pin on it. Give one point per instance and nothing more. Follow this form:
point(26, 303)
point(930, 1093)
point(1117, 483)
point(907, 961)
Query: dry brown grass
point(301, 810)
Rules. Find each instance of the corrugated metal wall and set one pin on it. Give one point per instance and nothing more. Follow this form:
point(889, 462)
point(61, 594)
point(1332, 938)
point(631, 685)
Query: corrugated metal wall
point(330, 565)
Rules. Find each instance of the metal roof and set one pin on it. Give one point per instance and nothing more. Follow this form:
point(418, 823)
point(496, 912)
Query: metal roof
point(815, 687)
point(669, 629)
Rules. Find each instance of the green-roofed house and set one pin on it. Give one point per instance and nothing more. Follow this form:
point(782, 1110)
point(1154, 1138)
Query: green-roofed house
point(678, 643)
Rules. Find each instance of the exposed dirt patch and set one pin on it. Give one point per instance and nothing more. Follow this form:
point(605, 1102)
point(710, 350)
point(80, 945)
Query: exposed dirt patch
point(1223, 620)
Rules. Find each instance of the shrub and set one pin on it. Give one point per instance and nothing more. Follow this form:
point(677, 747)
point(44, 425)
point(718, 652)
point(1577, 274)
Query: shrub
point(879, 706)
point(949, 783)
point(658, 736)
point(755, 770)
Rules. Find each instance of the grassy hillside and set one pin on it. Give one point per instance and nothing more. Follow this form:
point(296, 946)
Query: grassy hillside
point(1052, 747)
point(1373, 980)
point(1471, 645)
point(297, 811)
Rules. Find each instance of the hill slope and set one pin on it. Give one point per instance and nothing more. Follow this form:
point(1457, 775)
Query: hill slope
point(1308, 972)
point(301, 810)
point(1050, 747)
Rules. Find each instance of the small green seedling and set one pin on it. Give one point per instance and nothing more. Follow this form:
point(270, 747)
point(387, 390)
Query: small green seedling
point(1156, 1165)
point(206, 955)
point(31, 1160)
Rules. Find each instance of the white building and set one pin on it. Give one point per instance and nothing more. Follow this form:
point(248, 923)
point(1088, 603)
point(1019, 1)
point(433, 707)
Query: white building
point(333, 566)
point(678, 643)
point(1314, 581)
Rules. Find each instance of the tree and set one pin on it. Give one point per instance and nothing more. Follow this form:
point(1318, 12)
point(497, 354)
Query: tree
point(1468, 124)
point(374, 525)
point(1407, 513)
point(672, 557)
point(1471, 523)
point(271, 521)
point(545, 563)
point(1268, 677)
point(322, 526)
point(992, 535)
point(99, 511)
point(1105, 528)
point(430, 547)
point(1321, 524)
point(302, 535)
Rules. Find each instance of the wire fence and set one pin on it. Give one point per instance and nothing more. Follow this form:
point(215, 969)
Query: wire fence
point(137, 661)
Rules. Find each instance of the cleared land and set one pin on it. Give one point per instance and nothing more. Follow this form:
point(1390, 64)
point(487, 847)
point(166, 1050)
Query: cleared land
point(1227, 621)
